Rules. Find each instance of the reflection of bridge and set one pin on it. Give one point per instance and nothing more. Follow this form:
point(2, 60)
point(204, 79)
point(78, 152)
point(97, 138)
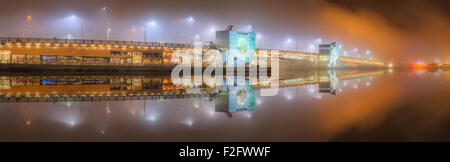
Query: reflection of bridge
point(106, 55)
point(99, 88)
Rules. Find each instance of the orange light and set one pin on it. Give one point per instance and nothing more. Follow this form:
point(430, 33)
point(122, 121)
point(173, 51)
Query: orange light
point(419, 65)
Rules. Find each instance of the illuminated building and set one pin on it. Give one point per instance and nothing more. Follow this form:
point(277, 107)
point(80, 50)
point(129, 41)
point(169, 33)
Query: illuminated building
point(330, 53)
point(231, 40)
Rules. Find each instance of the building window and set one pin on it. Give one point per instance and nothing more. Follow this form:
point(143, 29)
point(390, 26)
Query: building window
point(5, 56)
point(18, 59)
point(5, 83)
point(33, 59)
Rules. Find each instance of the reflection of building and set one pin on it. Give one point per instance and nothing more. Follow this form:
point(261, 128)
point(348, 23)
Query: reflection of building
point(235, 98)
point(236, 41)
point(331, 85)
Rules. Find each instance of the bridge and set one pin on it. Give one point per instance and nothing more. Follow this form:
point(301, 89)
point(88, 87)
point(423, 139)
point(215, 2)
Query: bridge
point(48, 53)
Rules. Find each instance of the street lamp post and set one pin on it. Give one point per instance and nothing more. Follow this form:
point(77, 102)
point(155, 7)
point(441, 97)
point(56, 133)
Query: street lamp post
point(28, 25)
point(133, 30)
point(108, 33)
point(191, 21)
point(72, 19)
point(149, 24)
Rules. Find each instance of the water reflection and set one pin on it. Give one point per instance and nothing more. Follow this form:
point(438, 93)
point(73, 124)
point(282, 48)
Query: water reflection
point(310, 105)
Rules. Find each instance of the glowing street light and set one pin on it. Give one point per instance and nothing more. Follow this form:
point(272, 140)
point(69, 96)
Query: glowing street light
point(311, 48)
point(258, 40)
point(151, 24)
point(191, 19)
point(319, 40)
point(289, 40)
point(133, 30)
point(250, 28)
point(27, 25)
point(287, 43)
point(258, 36)
point(72, 20)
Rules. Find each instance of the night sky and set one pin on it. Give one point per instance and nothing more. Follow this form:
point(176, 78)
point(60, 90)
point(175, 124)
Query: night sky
point(404, 30)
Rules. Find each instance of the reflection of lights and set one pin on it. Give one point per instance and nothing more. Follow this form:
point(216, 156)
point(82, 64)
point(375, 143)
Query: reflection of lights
point(390, 65)
point(68, 104)
point(355, 50)
point(189, 122)
point(249, 115)
point(419, 67)
point(258, 102)
point(368, 52)
point(318, 96)
point(211, 113)
point(311, 90)
point(368, 84)
point(151, 118)
point(345, 83)
point(340, 89)
point(289, 97)
point(355, 86)
point(72, 123)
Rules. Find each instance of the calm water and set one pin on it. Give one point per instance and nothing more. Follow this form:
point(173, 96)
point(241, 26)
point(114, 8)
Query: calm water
point(368, 106)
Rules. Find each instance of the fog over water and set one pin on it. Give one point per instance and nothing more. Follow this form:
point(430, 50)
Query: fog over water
point(402, 30)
